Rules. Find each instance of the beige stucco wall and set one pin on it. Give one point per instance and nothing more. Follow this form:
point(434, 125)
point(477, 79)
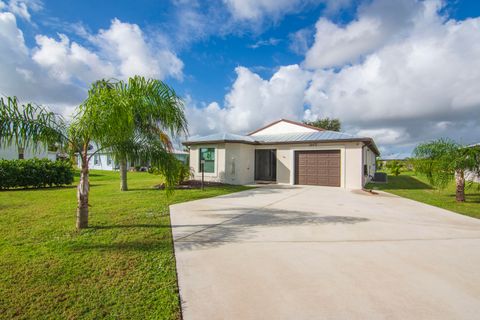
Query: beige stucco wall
point(240, 161)
point(235, 162)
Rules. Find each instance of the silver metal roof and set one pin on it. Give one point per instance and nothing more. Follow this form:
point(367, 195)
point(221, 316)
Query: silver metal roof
point(274, 138)
point(221, 137)
point(319, 136)
point(303, 136)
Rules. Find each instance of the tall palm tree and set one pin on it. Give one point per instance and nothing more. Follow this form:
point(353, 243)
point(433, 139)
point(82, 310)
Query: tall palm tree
point(443, 160)
point(104, 118)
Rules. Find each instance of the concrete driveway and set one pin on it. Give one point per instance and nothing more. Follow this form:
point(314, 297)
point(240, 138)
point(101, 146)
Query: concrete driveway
point(324, 253)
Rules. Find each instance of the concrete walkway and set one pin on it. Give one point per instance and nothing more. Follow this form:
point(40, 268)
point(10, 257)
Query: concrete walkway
point(324, 253)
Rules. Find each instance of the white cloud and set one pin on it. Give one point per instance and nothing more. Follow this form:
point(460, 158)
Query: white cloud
point(21, 7)
point(418, 79)
point(253, 101)
point(415, 84)
point(22, 77)
point(275, 9)
point(301, 40)
point(58, 71)
point(121, 52)
point(125, 43)
point(378, 23)
point(263, 43)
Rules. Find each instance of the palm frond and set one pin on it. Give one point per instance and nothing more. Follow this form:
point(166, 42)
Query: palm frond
point(29, 125)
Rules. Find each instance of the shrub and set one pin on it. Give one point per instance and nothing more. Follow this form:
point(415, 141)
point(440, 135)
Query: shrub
point(395, 167)
point(183, 172)
point(36, 173)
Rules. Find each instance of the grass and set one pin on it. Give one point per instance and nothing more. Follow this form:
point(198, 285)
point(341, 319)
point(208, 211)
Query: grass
point(417, 188)
point(122, 267)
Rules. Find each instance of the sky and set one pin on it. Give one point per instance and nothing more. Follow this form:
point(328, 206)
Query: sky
point(401, 72)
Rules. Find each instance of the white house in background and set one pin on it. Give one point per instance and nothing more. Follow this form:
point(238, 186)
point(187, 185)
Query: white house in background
point(105, 160)
point(285, 152)
point(13, 152)
point(472, 176)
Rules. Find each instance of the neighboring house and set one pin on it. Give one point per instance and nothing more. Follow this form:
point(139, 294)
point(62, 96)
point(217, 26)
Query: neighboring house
point(472, 176)
point(285, 152)
point(105, 161)
point(13, 152)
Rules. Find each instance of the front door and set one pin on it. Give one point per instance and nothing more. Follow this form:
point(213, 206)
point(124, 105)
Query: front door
point(266, 165)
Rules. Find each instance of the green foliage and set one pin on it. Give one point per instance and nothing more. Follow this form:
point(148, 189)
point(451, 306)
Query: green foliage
point(29, 124)
point(441, 159)
point(326, 123)
point(395, 167)
point(416, 187)
point(182, 171)
point(378, 164)
point(134, 120)
point(121, 267)
point(35, 173)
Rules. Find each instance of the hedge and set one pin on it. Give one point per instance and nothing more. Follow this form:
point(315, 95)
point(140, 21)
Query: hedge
point(36, 173)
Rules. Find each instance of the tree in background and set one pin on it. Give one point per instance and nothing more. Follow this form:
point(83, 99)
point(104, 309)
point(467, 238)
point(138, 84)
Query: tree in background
point(103, 119)
point(443, 160)
point(326, 123)
point(395, 167)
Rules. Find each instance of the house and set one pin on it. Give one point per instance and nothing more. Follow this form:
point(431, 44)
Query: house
point(13, 152)
point(285, 152)
point(470, 175)
point(104, 160)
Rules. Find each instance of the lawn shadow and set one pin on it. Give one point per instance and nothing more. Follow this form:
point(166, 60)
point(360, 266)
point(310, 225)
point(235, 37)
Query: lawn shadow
point(147, 245)
point(40, 189)
point(128, 226)
point(404, 182)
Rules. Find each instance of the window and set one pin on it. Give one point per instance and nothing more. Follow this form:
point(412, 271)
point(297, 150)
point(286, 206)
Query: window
point(21, 153)
point(96, 159)
point(207, 154)
point(109, 160)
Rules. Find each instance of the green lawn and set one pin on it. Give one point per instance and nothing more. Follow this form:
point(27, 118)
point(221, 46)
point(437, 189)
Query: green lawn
point(122, 267)
point(417, 188)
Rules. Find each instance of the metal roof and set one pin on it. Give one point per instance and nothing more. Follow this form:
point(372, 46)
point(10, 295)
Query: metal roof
point(217, 137)
point(285, 138)
point(303, 136)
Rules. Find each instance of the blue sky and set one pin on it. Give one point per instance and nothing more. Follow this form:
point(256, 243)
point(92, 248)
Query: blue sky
point(240, 64)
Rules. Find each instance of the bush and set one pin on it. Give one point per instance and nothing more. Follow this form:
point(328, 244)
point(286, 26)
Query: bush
point(183, 172)
point(36, 173)
point(395, 167)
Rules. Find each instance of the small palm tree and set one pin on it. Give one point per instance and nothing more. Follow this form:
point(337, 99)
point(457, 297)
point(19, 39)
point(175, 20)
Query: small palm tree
point(105, 118)
point(152, 112)
point(443, 160)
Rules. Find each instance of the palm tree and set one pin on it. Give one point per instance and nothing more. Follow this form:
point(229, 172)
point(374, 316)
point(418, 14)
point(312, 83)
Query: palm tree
point(155, 112)
point(102, 118)
point(443, 160)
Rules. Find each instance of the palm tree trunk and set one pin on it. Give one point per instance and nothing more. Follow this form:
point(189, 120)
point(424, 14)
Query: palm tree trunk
point(460, 184)
point(82, 193)
point(123, 175)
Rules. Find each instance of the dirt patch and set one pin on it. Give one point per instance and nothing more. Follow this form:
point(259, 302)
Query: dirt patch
point(193, 184)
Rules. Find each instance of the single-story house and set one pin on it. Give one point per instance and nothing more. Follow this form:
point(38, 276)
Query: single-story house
point(104, 160)
point(285, 152)
point(469, 175)
point(14, 152)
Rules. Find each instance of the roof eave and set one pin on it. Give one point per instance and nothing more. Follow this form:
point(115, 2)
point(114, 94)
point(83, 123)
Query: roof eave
point(189, 143)
point(368, 141)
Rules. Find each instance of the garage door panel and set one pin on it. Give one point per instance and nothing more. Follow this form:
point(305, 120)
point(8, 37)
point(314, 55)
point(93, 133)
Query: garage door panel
point(318, 167)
